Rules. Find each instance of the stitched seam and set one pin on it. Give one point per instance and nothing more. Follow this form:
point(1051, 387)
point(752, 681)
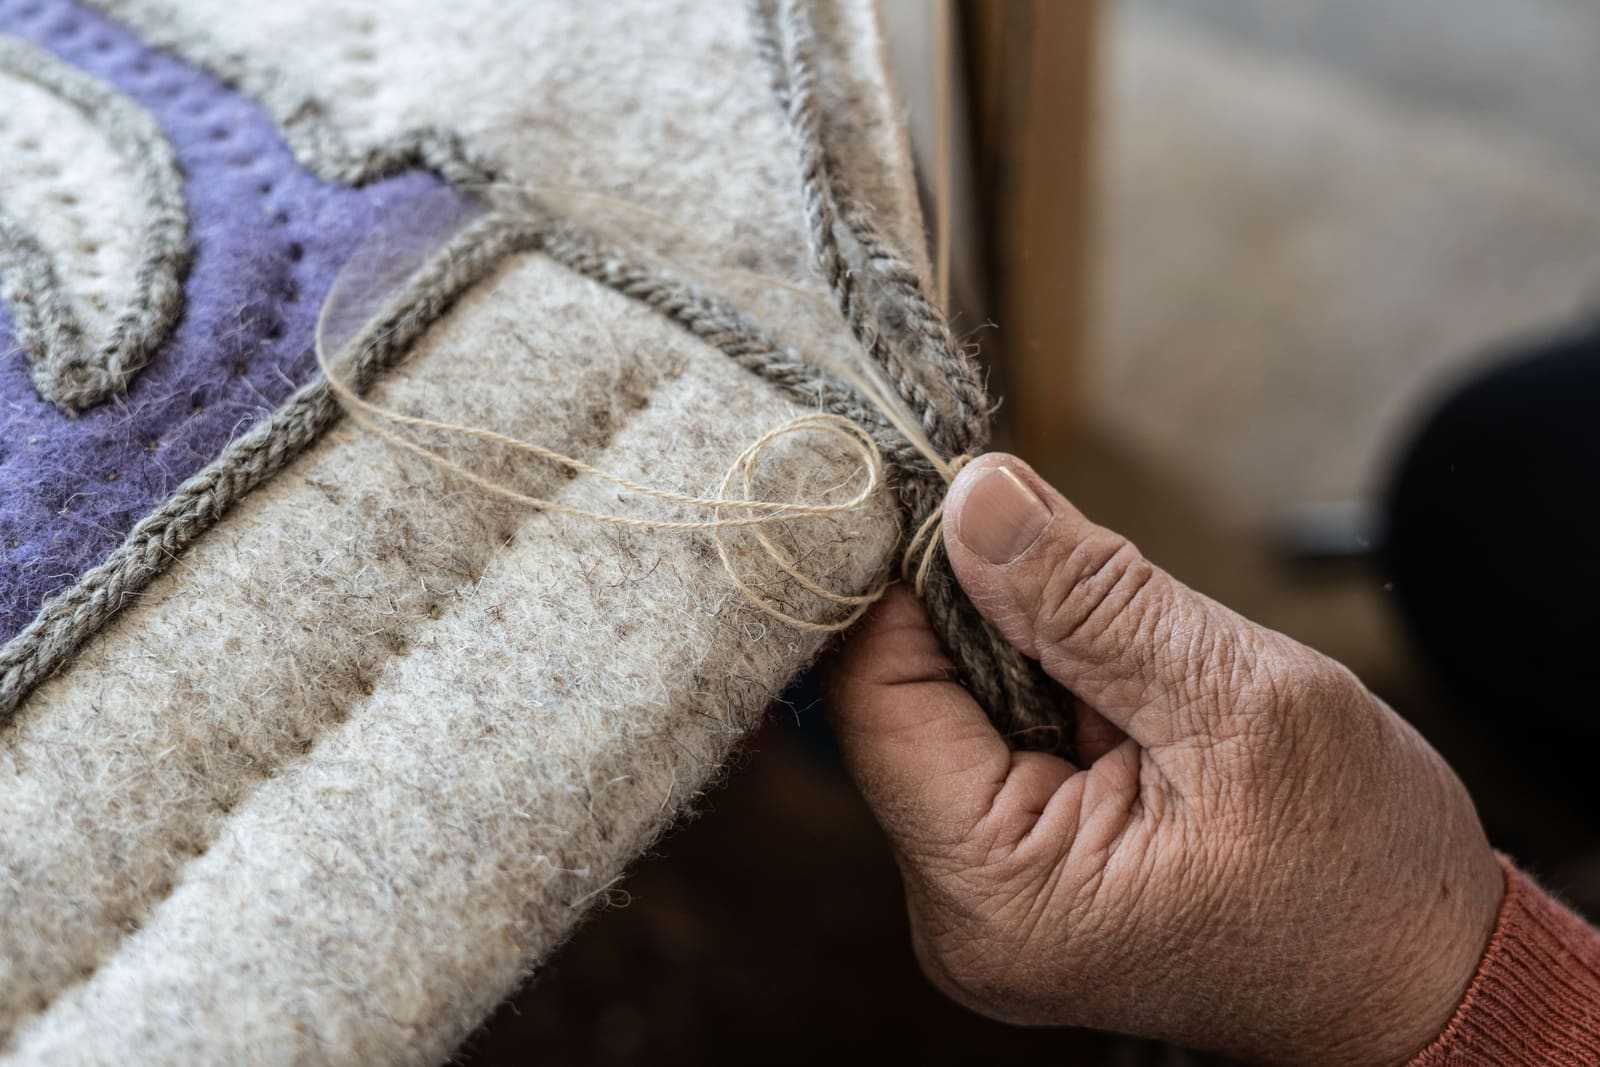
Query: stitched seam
point(41, 317)
point(64, 371)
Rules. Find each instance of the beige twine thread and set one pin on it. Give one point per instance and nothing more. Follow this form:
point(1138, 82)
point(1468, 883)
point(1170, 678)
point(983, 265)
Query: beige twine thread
point(766, 512)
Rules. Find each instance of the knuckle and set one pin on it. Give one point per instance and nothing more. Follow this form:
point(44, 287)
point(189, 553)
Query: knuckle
point(1314, 697)
point(1096, 587)
point(1301, 710)
point(1325, 683)
point(1328, 710)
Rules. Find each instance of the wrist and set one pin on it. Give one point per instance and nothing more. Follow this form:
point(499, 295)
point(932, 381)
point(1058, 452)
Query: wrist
point(1385, 994)
point(1535, 998)
point(1444, 956)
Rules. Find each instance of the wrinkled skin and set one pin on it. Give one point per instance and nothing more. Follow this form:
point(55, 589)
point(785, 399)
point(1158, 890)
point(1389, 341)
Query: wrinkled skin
point(1257, 856)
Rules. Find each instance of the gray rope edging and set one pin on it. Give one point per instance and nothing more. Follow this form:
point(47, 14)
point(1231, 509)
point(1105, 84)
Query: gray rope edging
point(902, 331)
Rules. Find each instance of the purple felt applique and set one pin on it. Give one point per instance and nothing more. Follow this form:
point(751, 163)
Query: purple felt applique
point(268, 239)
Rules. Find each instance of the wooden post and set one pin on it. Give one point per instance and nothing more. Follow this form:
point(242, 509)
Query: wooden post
point(1032, 70)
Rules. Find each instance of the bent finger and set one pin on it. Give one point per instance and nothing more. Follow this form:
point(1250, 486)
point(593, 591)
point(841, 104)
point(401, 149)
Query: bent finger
point(1157, 659)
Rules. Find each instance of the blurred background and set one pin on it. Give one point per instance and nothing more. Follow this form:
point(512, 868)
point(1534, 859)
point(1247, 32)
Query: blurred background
point(1226, 260)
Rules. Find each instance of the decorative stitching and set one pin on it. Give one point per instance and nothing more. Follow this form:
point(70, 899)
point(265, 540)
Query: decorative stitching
point(268, 236)
point(67, 369)
point(324, 150)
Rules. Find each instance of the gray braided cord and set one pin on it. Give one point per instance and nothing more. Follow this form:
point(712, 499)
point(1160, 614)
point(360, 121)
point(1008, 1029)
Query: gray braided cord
point(726, 329)
point(1020, 699)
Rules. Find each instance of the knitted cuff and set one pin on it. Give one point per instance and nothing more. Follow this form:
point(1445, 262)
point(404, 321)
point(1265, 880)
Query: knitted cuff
point(1536, 997)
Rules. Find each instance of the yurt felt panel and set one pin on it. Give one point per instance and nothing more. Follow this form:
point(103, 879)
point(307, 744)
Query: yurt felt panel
point(310, 752)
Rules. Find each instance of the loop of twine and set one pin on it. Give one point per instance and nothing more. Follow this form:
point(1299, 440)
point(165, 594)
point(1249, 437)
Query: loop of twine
point(929, 536)
point(748, 512)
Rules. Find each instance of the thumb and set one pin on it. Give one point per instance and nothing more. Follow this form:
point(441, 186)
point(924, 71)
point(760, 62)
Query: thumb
point(1128, 639)
point(925, 756)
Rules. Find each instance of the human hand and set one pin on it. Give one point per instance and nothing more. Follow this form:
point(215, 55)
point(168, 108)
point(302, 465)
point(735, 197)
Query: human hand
point(1256, 856)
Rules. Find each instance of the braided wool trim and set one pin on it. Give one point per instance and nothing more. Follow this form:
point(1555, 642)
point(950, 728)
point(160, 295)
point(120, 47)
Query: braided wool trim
point(726, 329)
point(65, 371)
point(909, 339)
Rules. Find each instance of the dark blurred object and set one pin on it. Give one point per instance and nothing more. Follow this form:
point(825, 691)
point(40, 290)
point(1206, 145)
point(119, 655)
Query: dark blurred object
point(1493, 540)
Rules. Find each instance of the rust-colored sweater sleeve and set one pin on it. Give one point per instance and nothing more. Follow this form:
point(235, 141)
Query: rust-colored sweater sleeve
point(1536, 997)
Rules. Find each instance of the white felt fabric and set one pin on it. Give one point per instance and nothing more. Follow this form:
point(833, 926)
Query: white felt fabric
point(358, 762)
